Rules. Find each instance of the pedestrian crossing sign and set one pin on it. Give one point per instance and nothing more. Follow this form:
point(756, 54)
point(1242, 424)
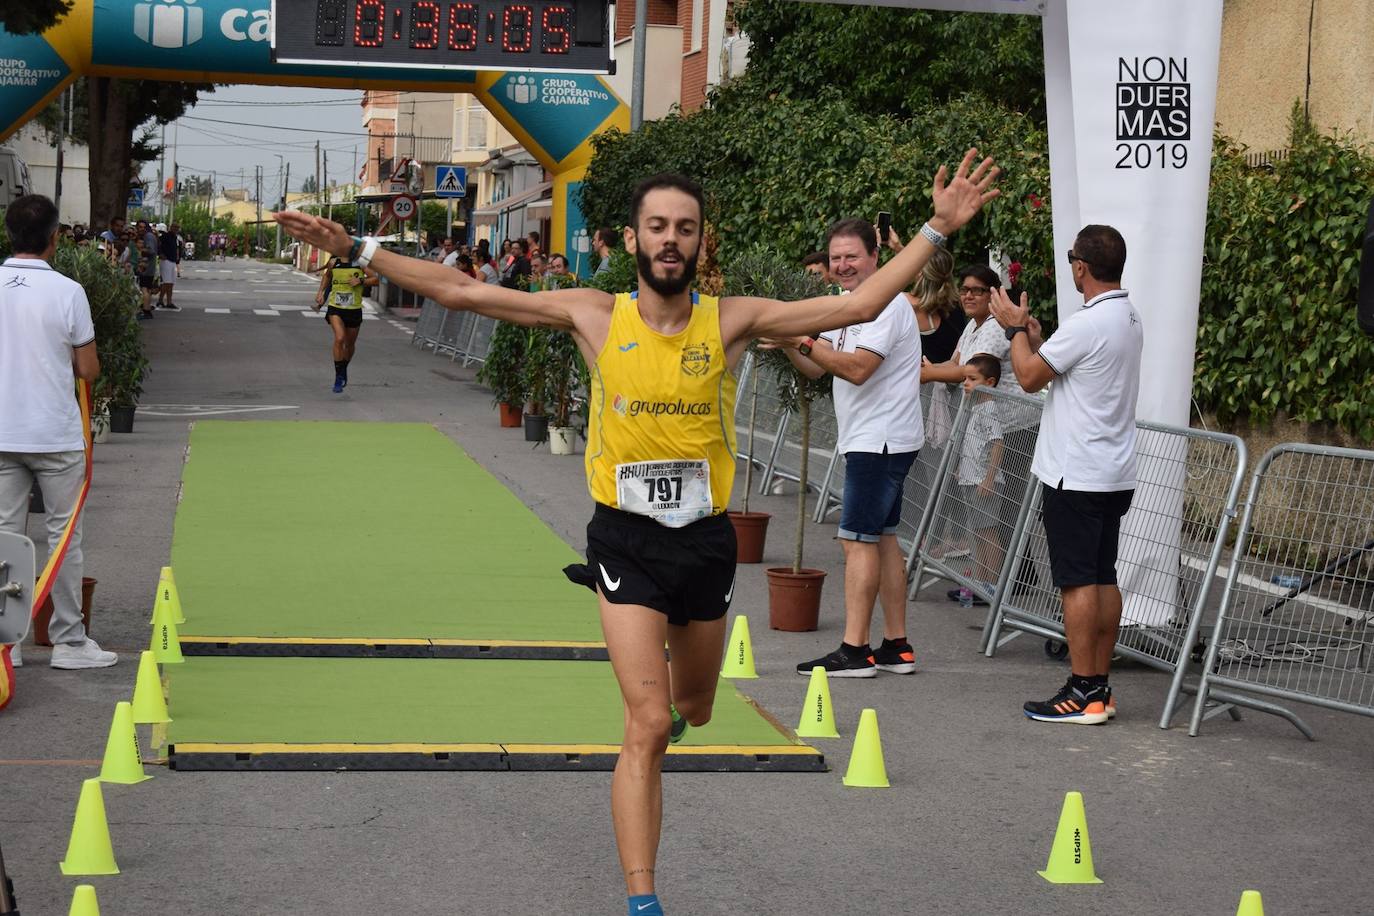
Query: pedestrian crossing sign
point(450, 181)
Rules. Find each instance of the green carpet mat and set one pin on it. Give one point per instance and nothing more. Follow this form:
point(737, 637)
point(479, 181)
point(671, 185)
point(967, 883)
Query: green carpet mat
point(364, 538)
point(348, 713)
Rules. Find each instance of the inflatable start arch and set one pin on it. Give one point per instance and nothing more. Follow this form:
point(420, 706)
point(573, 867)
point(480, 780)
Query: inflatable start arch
point(554, 115)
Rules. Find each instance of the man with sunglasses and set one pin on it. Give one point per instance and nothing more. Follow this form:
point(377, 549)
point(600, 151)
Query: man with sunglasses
point(1085, 459)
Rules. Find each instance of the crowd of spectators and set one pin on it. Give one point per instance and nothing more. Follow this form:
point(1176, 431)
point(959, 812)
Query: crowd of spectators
point(960, 328)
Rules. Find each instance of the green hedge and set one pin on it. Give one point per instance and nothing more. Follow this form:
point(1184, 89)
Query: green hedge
point(1277, 333)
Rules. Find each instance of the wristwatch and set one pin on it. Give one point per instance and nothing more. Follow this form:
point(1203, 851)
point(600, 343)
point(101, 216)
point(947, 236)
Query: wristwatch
point(1019, 329)
point(804, 348)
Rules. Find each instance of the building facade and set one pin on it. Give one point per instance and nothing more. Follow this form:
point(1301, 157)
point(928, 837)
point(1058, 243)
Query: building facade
point(1316, 53)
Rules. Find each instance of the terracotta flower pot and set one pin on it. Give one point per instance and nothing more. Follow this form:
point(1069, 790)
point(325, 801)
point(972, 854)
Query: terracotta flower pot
point(44, 616)
point(510, 416)
point(751, 530)
point(794, 599)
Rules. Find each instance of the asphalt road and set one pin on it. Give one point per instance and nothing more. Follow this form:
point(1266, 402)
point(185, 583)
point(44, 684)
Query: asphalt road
point(1178, 825)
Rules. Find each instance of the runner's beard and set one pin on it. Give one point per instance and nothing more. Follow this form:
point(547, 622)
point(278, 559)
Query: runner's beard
point(666, 286)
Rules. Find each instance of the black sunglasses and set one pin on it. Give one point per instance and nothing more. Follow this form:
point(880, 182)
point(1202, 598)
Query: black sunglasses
point(1073, 257)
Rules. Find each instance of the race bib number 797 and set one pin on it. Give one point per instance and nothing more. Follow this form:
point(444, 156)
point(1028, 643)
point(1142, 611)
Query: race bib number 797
point(673, 493)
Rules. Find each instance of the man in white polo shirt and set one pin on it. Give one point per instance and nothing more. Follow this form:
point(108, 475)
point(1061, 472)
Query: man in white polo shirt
point(1085, 458)
point(47, 341)
point(877, 368)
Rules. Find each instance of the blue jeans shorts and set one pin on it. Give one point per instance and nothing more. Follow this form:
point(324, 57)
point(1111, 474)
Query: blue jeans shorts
point(872, 503)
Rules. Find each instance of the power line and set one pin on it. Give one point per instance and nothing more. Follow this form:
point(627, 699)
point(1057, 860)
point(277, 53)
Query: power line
point(352, 101)
point(309, 130)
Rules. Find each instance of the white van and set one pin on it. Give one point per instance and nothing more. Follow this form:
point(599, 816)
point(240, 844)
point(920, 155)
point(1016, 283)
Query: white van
point(14, 177)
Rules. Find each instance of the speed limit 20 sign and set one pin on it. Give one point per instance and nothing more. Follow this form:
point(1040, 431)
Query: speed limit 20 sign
point(403, 207)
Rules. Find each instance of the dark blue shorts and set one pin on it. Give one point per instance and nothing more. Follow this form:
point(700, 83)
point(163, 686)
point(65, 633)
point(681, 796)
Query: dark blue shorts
point(872, 503)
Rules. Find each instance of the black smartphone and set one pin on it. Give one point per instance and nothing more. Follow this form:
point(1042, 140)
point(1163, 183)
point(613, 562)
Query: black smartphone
point(884, 226)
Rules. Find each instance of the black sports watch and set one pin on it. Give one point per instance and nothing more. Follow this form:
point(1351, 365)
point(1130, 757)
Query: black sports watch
point(1018, 329)
point(804, 348)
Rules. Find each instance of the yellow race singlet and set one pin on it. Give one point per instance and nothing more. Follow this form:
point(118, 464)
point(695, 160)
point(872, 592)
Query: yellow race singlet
point(341, 294)
point(661, 440)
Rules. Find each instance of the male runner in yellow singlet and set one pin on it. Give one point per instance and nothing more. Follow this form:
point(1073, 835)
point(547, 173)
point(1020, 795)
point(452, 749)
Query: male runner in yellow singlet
point(342, 285)
point(660, 458)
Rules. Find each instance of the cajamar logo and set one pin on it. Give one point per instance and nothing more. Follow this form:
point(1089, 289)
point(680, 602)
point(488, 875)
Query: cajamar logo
point(696, 359)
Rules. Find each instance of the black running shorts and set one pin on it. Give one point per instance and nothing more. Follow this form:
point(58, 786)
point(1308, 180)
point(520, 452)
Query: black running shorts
point(687, 573)
point(1082, 530)
point(352, 318)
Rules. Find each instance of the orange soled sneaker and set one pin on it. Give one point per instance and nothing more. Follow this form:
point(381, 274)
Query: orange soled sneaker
point(1076, 704)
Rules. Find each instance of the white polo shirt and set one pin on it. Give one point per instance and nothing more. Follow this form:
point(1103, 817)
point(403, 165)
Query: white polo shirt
point(43, 316)
point(885, 411)
point(1087, 436)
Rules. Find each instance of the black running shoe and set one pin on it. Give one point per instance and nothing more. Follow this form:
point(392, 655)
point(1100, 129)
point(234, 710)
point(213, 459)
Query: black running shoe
point(171, 307)
point(897, 658)
point(679, 726)
point(843, 662)
point(1070, 705)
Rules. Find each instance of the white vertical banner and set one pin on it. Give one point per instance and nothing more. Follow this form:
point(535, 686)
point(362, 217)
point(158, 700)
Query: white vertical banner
point(1131, 147)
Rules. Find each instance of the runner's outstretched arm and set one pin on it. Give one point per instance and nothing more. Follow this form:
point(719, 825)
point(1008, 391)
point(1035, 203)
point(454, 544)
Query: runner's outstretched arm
point(956, 202)
point(450, 288)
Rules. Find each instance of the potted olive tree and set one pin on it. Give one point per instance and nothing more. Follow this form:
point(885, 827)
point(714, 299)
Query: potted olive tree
point(759, 272)
point(794, 592)
point(503, 371)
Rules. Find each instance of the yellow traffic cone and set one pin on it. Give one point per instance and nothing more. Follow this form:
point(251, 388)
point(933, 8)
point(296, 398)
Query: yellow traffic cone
point(167, 596)
point(817, 716)
point(84, 902)
point(150, 707)
point(1071, 858)
point(123, 763)
point(866, 769)
point(1250, 904)
point(89, 851)
point(739, 654)
point(166, 645)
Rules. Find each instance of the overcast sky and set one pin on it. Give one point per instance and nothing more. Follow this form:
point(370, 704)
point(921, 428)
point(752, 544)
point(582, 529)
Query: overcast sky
point(263, 122)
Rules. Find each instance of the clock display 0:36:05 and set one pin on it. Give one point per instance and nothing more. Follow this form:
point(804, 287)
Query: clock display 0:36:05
point(429, 25)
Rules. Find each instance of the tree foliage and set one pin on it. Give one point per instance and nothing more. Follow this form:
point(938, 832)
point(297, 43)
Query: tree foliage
point(24, 17)
point(1277, 331)
point(778, 171)
point(892, 61)
point(1276, 335)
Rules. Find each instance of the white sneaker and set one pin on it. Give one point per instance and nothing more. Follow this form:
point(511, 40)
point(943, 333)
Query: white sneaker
point(83, 655)
point(16, 658)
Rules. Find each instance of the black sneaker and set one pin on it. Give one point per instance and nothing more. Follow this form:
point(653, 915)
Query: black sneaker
point(171, 307)
point(843, 662)
point(897, 658)
point(1070, 705)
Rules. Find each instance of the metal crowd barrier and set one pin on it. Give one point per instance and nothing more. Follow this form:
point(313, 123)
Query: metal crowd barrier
point(992, 541)
point(427, 328)
point(462, 335)
point(478, 343)
point(787, 455)
point(771, 418)
point(1295, 616)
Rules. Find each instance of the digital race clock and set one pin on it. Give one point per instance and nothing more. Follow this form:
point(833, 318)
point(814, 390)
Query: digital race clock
point(553, 35)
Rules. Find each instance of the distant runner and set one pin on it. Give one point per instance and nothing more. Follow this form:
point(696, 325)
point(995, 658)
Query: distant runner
point(342, 284)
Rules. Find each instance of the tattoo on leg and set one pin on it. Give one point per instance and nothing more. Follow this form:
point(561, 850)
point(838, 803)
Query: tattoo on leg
point(639, 871)
point(649, 683)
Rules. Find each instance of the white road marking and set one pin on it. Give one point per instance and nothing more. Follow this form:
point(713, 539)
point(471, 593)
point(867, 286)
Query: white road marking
point(267, 313)
point(217, 311)
point(205, 410)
